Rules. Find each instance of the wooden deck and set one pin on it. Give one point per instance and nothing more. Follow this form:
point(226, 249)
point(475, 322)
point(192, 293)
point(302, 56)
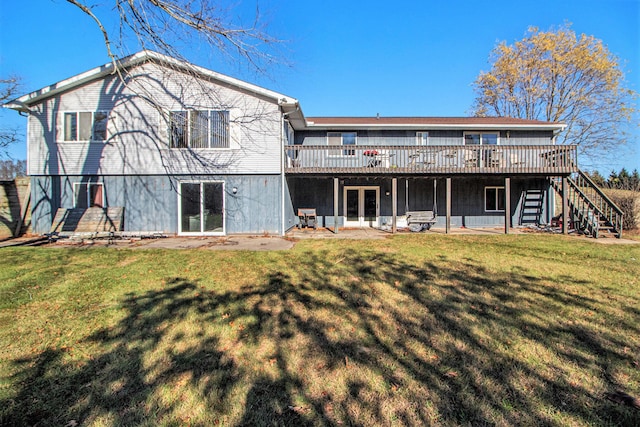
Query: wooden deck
point(421, 160)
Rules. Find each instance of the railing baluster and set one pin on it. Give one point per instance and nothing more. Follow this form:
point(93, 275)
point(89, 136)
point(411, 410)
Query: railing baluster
point(457, 159)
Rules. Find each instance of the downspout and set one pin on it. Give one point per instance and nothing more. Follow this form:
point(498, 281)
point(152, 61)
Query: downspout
point(406, 196)
point(283, 160)
point(27, 169)
point(435, 196)
point(282, 165)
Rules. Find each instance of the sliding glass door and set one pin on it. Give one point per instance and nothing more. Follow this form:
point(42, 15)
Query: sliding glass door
point(201, 208)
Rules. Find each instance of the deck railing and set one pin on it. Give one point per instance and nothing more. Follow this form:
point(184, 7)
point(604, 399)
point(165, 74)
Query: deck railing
point(492, 159)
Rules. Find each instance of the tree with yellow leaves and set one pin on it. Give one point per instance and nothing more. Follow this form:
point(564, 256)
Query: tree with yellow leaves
point(557, 76)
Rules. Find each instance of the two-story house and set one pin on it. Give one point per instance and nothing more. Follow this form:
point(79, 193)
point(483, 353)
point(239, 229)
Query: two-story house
point(185, 150)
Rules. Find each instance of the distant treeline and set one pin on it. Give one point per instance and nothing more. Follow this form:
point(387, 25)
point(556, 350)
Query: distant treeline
point(628, 201)
point(10, 169)
point(622, 180)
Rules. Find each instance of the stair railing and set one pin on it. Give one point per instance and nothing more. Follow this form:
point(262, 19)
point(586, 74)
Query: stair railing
point(604, 206)
point(590, 204)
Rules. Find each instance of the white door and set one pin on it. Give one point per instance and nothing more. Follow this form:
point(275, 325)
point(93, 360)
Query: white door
point(361, 206)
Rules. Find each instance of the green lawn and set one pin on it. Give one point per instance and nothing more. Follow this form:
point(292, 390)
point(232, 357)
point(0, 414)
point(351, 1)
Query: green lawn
point(412, 330)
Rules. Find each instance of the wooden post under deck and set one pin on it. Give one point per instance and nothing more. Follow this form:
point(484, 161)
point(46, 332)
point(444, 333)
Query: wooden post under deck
point(448, 224)
point(336, 189)
point(565, 206)
point(507, 205)
point(394, 201)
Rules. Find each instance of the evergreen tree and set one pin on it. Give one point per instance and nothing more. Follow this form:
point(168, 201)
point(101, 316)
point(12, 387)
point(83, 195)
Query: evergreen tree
point(613, 181)
point(598, 179)
point(635, 181)
point(624, 179)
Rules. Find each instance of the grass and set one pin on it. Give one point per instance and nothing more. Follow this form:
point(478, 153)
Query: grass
point(412, 330)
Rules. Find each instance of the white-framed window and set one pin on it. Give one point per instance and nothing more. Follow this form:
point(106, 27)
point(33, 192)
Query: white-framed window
point(88, 195)
point(422, 138)
point(85, 125)
point(343, 138)
point(199, 129)
point(494, 199)
point(481, 138)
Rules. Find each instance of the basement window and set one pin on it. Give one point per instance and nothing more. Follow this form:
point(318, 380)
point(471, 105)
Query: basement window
point(88, 195)
point(494, 199)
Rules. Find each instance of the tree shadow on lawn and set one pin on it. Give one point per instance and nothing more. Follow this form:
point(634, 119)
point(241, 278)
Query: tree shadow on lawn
point(364, 339)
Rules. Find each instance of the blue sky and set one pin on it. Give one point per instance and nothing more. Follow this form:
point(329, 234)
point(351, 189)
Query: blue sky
point(403, 58)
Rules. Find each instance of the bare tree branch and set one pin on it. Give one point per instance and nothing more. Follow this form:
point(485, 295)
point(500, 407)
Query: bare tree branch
point(167, 25)
point(105, 35)
point(9, 87)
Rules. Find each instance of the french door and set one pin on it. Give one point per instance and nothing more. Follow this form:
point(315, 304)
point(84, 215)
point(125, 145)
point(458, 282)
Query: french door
point(361, 206)
point(201, 208)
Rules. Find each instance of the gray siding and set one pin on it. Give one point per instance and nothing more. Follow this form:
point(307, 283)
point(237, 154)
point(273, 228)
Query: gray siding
point(137, 129)
point(314, 193)
point(436, 137)
point(290, 216)
point(467, 207)
point(151, 202)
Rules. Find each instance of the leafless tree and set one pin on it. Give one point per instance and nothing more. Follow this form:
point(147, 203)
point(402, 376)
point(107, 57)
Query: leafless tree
point(10, 169)
point(8, 90)
point(165, 25)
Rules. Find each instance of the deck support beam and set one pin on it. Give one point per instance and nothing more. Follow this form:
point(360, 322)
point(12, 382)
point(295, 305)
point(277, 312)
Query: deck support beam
point(394, 201)
point(336, 190)
point(448, 222)
point(565, 206)
point(507, 205)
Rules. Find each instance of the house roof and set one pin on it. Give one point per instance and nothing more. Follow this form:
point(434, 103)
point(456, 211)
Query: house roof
point(24, 102)
point(290, 106)
point(426, 123)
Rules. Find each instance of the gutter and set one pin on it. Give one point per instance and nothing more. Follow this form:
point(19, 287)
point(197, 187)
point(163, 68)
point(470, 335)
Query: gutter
point(557, 132)
point(17, 105)
point(426, 127)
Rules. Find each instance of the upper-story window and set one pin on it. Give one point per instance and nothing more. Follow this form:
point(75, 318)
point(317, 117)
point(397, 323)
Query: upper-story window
point(199, 129)
point(343, 138)
point(481, 138)
point(85, 126)
point(422, 138)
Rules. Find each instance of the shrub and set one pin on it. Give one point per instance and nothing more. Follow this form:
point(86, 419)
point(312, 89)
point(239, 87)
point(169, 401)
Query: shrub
point(629, 202)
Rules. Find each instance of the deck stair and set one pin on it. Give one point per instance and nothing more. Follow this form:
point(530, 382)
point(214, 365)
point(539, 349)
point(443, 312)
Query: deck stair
point(531, 211)
point(590, 209)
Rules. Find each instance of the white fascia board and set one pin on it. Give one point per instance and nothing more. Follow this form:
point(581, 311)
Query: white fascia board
point(412, 126)
point(23, 103)
point(34, 97)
